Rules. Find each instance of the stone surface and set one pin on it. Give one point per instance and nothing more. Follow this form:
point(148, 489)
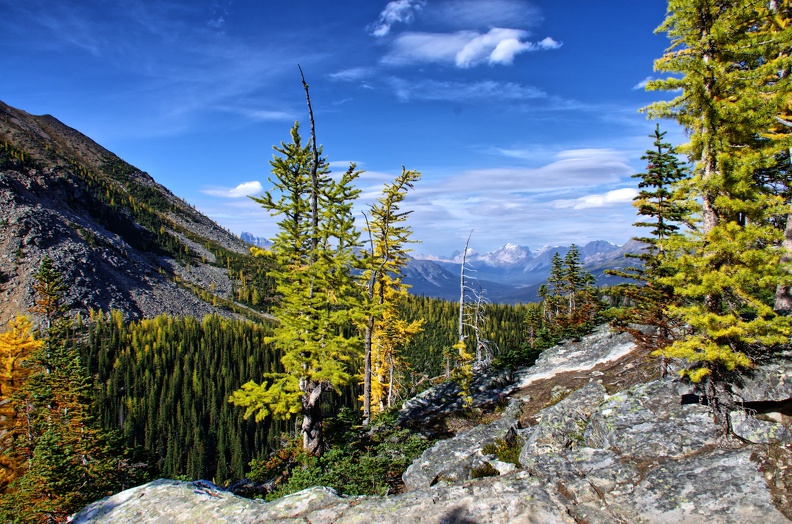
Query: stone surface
point(602, 346)
point(722, 487)
point(445, 399)
point(563, 424)
point(453, 459)
point(758, 431)
point(768, 381)
point(648, 421)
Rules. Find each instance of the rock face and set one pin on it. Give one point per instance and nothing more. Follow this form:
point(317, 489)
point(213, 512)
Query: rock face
point(636, 455)
point(66, 197)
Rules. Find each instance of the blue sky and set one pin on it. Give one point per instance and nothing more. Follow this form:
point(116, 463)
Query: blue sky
point(522, 115)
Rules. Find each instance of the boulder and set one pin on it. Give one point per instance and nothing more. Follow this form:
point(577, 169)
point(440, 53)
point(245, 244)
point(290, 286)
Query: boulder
point(563, 424)
point(649, 421)
point(452, 460)
point(721, 487)
point(445, 399)
point(769, 381)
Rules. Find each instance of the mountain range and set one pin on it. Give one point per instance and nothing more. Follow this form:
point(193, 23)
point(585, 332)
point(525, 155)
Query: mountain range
point(124, 242)
point(511, 273)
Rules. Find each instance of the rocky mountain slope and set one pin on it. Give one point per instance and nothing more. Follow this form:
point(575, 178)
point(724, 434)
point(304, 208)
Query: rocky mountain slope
point(121, 240)
point(593, 435)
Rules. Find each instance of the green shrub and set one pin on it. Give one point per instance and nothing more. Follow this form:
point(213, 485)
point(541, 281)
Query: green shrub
point(505, 449)
point(485, 470)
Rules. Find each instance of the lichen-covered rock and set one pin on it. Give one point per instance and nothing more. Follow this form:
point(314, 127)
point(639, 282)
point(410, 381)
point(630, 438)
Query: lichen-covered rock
point(516, 499)
point(604, 345)
point(445, 399)
point(453, 459)
point(585, 475)
point(722, 487)
point(769, 381)
point(563, 424)
point(649, 421)
point(758, 431)
point(173, 501)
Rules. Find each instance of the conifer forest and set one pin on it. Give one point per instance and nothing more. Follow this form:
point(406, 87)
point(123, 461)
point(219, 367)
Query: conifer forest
point(300, 380)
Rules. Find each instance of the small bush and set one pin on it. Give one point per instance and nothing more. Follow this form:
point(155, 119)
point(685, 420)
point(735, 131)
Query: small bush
point(506, 449)
point(485, 470)
point(365, 464)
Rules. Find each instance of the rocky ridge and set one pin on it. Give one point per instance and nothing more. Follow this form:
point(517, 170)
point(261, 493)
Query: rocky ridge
point(601, 441)
point(64, 196)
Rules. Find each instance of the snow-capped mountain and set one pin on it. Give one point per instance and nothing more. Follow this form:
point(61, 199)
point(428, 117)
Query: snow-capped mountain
point(511, 273)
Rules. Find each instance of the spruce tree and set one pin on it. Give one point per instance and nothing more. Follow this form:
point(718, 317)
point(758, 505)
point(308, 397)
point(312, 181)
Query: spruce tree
point(317, 295)
point(383, 264)
point(662, 211)
point(731, 64)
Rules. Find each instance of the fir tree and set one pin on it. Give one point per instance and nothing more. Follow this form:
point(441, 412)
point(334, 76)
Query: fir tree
point(731, 61)
point(317, 294)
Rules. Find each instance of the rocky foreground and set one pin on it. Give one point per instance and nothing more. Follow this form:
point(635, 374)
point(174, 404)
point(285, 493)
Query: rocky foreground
point(594, 453)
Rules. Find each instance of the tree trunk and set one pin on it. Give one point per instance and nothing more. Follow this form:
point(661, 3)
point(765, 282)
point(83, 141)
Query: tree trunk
point(367, 371)
point(311, 427)
point(783, 295)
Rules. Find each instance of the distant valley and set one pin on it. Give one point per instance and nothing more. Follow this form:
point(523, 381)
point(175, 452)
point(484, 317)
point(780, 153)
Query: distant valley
point(511, 274)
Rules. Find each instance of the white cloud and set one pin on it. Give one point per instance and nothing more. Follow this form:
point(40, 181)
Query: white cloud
point(643, 83)
point(264, 115)
point(574, 195)
point(244, 189)
point(354, 74)
point(464, 48)
point(617, 196)
point(397, 11)
point(486, 90)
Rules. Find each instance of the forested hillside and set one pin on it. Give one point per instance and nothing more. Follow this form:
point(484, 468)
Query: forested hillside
point(158, 345)
point(123, 241)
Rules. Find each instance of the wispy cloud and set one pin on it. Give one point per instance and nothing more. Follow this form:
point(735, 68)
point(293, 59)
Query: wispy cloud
point(486, 90)
point(397, 11)
point(517, 204)
point(617, 196)
point(475, 13)
point(643, 83)
point(244, 189)
point(464, 49)
point(353, 74)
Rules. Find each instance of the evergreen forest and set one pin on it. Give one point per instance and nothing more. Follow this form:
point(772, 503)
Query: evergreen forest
point(308, 393)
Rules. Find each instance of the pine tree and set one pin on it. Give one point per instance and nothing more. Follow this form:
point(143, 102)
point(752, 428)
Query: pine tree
point(732, 59)
point(317, 293)
point(383, 264)
point(663, 211)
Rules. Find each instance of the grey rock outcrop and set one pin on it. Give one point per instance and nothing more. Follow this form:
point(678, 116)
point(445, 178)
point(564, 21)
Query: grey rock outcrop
point(639, 455)
point(648, 421)
point(562, 425)
point(445, 399)
point(452, 460)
